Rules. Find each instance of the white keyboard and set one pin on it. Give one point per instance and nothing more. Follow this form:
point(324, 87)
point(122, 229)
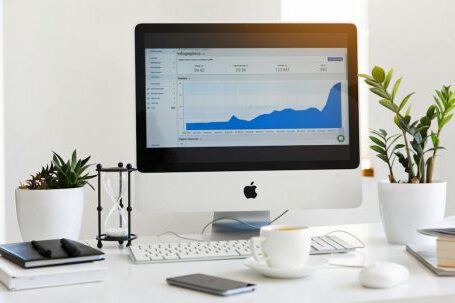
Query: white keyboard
point(220, 250)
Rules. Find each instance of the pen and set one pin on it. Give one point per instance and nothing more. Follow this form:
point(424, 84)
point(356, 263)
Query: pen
point(69, 247)
point(41, 250)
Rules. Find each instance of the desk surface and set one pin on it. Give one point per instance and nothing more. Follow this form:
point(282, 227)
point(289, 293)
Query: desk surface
point(127, 282)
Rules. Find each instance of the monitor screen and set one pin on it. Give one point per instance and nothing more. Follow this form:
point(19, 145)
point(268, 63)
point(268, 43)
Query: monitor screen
point(219, 97)
point(222, 97)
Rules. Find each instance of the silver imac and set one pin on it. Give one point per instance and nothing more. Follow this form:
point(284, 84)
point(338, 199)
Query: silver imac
point(246, 118)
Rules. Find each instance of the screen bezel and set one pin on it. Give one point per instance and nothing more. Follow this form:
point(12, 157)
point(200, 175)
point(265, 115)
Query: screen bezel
point(169, 159)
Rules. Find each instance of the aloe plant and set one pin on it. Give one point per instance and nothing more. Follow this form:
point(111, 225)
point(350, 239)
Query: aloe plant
point(61, 174)
point(71, 173)
point(418, 159)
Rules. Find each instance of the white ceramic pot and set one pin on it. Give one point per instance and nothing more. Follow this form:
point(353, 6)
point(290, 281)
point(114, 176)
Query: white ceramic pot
point(50, 213)
point(407, 207)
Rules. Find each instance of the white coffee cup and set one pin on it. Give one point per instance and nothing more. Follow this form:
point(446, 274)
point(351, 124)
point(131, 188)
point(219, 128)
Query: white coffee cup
point(282, 246)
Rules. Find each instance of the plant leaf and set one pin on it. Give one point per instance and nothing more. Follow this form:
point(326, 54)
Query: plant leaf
point(434, 148)
point(378, 149)
point(408, 112)
point(438, 103)
point(393, 138)
point(396, 86)
point(431, 112)
point(418, 138)
point(445, 121)
point(372, 83)
point(378, 74)
point(383, 158)
point(377, 141)
point(366, 76)
point(387, 103)
point(380, 92)
point(398, 146)
point(387, 79)
point(377, 133)
point(405, 100)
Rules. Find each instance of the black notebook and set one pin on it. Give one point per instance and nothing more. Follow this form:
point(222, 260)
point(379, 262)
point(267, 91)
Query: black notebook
point(23, 254)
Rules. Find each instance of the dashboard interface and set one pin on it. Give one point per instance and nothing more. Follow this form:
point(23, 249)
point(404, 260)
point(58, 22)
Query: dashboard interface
point(228, 97)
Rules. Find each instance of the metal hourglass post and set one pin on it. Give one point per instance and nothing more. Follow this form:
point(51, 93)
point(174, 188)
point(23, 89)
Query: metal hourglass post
point(99, 208)
point(120, 193)
point(129, 209)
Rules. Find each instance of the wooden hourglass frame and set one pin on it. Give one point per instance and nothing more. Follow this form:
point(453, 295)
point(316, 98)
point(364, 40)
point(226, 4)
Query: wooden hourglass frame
point(103, 236)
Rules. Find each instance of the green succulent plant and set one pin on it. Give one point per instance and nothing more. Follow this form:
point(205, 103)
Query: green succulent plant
point(421, 137)
point(44, 179)
point(72, 173)
point(61, 174)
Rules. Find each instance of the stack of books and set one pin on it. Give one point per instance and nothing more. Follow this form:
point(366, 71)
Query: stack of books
point(439, 258)
point(445, 251)
point(47, 263)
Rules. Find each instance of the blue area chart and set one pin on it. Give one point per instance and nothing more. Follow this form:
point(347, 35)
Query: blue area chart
point(328, 117)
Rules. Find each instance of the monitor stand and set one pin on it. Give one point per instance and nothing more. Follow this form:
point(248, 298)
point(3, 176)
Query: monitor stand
point(229, 229)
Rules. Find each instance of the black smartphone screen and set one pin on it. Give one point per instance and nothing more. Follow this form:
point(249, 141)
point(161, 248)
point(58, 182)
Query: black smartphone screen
point(211, 284)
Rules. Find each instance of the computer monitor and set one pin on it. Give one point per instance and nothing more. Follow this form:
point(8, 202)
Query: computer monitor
point(245, 117)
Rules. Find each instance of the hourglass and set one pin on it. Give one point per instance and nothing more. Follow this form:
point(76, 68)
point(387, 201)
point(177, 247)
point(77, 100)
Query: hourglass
point(117, 224)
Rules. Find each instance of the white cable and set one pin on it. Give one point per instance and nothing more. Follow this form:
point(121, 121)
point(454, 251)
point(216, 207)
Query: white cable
point(362, 245)
point(240, 221)
point(228, 218)
point(219, 219)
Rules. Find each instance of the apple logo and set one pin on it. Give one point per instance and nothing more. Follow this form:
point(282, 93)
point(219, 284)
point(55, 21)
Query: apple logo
point(250, 191)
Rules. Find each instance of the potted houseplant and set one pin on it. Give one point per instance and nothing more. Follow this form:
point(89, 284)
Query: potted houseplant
point(417, 199)
point(50, 204)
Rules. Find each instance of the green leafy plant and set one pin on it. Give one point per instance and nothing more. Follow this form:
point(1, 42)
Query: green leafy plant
point(61, 174)
point(419, 157)
point(385, 146)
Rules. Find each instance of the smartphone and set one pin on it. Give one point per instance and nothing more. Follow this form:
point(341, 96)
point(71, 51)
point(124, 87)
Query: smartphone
point(212, 285)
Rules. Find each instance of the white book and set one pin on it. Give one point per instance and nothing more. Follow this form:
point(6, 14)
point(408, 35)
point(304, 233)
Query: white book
point(427, 255)
point(15, 277)
point(446, 228)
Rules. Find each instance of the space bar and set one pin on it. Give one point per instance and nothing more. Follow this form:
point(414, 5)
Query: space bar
point(204, 256)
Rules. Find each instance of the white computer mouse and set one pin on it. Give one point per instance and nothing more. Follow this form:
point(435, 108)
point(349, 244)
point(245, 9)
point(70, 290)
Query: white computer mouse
point(383, 275)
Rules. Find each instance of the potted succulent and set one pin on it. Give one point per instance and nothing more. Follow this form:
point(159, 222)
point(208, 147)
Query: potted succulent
point(50, 204)
point(417, 199)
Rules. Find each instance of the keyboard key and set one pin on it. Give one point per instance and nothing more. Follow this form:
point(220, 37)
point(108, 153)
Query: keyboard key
point(331, 242)
point(171, 257)
point(344, 243)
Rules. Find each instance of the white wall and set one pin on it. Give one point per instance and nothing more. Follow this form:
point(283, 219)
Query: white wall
point(417, 39)
point(69, 83)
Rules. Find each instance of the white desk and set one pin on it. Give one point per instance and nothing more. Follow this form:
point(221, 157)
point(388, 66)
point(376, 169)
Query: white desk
point(129, 282)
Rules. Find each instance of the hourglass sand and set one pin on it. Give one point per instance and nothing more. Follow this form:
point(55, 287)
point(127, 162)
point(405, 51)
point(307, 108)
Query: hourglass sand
point(116, 223)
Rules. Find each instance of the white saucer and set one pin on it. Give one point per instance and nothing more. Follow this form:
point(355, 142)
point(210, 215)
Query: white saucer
point(314, 263)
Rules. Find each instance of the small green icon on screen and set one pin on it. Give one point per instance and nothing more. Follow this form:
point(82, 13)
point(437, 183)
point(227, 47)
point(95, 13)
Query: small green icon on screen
point(340, 138)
